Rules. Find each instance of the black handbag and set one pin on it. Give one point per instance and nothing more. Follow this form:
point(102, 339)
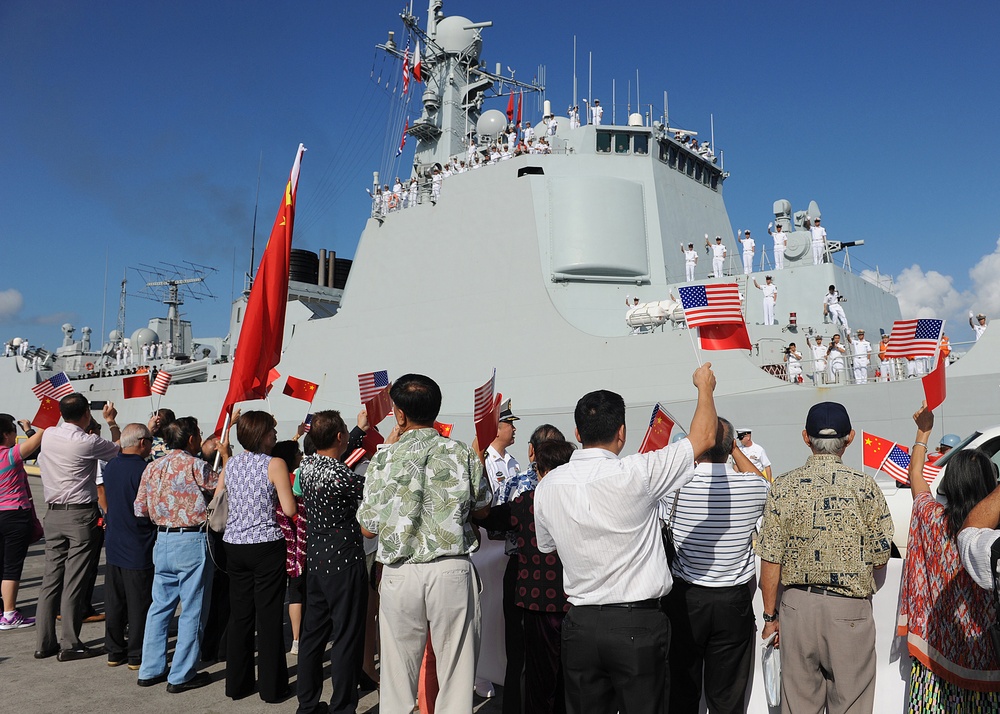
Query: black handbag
point(667, 533)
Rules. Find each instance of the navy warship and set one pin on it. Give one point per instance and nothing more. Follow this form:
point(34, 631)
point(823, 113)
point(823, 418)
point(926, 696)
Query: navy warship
point(533, 283)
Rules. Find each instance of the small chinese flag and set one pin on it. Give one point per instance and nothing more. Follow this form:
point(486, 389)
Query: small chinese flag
point(444, 429)
point(300, 389)
point(875, 450)
point(658, 434)
point(379, 406)
point(137, 386)
point(935, 389)
point(47, 414)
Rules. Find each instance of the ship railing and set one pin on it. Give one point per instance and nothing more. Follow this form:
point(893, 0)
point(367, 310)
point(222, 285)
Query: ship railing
point(874, 370)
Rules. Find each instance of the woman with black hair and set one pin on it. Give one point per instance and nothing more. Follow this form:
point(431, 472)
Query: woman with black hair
point(943, 614)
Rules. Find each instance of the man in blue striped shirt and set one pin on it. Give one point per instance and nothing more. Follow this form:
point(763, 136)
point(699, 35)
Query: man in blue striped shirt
point(713, 519)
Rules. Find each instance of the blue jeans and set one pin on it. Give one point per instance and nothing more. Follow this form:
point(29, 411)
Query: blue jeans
point(183, 573)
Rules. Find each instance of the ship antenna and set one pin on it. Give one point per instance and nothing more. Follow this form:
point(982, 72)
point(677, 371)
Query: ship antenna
point(253, 231)
point(574, 70)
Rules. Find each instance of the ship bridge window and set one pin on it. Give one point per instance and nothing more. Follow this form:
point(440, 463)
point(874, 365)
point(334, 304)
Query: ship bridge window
point(640, 144)
point(621, 143)
point(697, 171)
point(690, 166)
point(681, 162)
point(715, 180)
point(603, 142)
point(664, 152)
point(673, 157)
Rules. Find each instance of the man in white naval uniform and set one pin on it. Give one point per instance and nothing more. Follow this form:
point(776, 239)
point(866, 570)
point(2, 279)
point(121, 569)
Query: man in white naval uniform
point(979, 328)
point(819, 360)
point(831, 307)
point(690, 261)
point(780, 243)
point(818, 241)
point(596, 113)
point(748, 246)
point(862, 349)
point(529, 133)
point(755, 452)
point(574, 117)
point(718, 256)
point(770, 291)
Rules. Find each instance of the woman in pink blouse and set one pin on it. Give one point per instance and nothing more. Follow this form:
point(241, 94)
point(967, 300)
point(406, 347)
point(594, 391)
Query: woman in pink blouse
point(16, 520)
point(943, 614)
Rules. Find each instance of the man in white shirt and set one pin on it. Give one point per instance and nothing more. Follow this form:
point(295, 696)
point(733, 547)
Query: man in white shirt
point(978, 538)
point(601, 512)
point(690, 261)
point(529, 133)
point(748, 246)
point(862, 349)
point(818, 241)
point(793, 363)
point(710, 607)
point(718, 256)
point(770, 291)
point(596, 113)
point(819, 359)
point(832, 308)
point(980, 326)
point(780, 243)
point(755, 452)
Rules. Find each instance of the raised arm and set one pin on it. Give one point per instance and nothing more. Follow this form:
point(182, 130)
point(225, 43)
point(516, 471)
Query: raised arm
point(743, 464)
point(277, 473)
point(924, 419)
point(705, 422)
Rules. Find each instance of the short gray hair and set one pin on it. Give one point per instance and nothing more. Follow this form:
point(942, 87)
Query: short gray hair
point(829, 445)
point(132, 434)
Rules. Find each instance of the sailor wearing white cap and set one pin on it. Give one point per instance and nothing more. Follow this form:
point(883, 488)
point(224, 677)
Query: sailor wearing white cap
point(980, 328)
point(780, 243)
point(862, 349)
point(748, 246)
point(770, 291)
point(690, 261)
point(818, 241)
point(718, 256)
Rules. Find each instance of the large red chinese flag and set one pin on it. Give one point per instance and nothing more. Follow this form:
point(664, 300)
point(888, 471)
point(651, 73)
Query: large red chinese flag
point(875, 450)
point(259, 346)
point(137, 386)
point(935, 389)
point(48, 414)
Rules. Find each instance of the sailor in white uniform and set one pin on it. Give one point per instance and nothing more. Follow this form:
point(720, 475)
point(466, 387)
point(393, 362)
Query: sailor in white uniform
point(780, 243)
point(574, 117)
point(596, 113)
point(819, 360)
point(862, 349)
point(835, 360)
point(718, 256)
point(690, 261)
point(770, 291)
point(831, 307)
point(529, 133)
point(979, 328)
point(818, 241)
point(748, 246)
point(793, 364)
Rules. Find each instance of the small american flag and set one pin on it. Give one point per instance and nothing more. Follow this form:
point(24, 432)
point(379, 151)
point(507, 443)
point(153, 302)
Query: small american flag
point(914, 338)
point(371, 383)
point(161, 383)
point(897, 465)
point(55, 387)
point(308, 423)
point(711, 304)
point(352, 459)
point(484, 397)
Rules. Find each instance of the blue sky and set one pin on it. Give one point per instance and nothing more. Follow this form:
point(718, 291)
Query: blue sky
point(130, 133)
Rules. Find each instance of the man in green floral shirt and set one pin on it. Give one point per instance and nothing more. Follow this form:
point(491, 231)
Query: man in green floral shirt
point(419, 495)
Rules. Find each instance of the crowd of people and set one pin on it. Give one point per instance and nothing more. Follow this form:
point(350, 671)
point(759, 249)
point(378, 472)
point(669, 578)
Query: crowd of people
point(628, 587)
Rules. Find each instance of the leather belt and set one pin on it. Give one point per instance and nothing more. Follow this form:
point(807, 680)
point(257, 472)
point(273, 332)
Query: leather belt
point(650, 604)
point(70, 506)
point(181, 529)
point(818, 590)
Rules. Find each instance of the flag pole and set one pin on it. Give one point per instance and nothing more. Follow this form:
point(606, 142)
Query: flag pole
point(222, 437)
point(697, 354)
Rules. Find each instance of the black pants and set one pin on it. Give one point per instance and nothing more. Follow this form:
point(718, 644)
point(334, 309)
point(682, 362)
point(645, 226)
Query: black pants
point(712, 643)
point(513, 638)
point(256, 596)
point(615, 659)
point(15, 534)
point(213, 641)
point(336, 605)
point(127, 597)
point(543, 681)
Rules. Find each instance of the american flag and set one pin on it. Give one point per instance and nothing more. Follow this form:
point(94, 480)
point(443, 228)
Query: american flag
point(897, 465)
point(371, 383)
point(55, 387)
point(352, 459)
point(308, 423)
point(914, 338)
point(161, 383)
point(484, 397)
point(406, 69)
point(711, 304)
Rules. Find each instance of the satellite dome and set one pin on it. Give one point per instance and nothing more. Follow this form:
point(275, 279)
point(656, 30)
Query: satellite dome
point(491, 124)
point(452, 35)
point(114, 336)
point(16, 342)
point(144, 336)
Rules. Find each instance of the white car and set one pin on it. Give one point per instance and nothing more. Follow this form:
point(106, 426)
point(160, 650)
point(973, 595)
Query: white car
point(898, 496)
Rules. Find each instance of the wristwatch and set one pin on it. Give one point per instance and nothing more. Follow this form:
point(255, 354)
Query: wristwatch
point(771, 618)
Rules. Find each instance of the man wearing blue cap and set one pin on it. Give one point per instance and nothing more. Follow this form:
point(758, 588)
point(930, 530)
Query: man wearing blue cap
point(826, 528)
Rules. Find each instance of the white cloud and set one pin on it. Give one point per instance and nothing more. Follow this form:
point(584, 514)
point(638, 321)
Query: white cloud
point(985, 293)
point(11, 303)
point(929, 294)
